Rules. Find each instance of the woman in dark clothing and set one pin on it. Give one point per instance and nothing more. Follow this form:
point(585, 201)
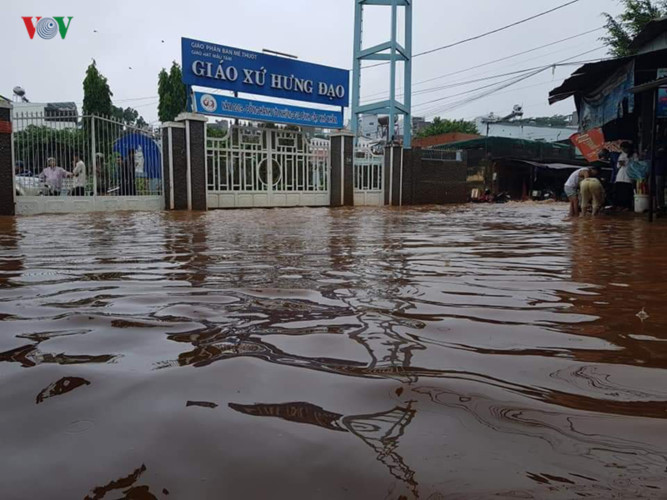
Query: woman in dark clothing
point(127, 183)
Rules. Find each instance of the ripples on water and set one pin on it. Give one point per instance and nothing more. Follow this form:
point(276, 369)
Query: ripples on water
point(313, 353)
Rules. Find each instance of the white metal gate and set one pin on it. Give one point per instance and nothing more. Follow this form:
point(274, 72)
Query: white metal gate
point(65, 162)
point(265, 167)
point(368, 177)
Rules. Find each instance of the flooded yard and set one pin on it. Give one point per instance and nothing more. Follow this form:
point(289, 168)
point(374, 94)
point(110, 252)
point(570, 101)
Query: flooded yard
point(436, 352)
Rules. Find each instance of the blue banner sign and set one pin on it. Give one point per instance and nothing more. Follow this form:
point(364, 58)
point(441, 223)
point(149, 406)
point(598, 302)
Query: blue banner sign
point(662, 95)
point(217, 66)
point(662, 102)
point(218, 105)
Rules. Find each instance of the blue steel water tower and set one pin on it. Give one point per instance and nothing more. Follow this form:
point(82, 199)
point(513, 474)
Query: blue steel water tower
point(390, 52)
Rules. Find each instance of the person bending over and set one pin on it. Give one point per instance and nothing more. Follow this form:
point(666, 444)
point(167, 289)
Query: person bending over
point(572, 189)
point(592, 195)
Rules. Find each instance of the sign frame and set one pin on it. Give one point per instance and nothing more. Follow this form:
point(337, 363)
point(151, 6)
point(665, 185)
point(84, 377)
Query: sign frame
point(247, 109)
point(211, 65)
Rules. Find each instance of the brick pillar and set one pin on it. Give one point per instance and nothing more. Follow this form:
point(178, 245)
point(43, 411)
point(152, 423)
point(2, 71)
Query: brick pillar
point(393, 165)
point(342, 169)
point(7, 190)
point(411, 169)
point(184, 150)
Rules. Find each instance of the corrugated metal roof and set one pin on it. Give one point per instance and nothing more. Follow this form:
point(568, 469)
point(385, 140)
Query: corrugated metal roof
point(495, 141)
point(651, 31)
point(588, 76)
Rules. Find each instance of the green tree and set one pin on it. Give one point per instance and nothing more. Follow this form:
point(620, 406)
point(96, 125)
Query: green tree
point(129, 116)
point(34, 144)
point(624, 28)
point(172, 93)
point(96, 93)
point(445, 126)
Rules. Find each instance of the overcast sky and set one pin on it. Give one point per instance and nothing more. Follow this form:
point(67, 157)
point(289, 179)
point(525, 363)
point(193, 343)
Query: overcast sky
point(132, 40)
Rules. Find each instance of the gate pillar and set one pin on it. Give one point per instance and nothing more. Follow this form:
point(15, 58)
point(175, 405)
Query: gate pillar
point(393, 175)
point(7, 189)
point(185, 171)
point(342, 169)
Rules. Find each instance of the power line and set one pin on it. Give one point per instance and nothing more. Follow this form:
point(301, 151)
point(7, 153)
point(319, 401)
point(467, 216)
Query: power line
point(434, 110)
point(502, 85)
point(494, 61)
point(482, 35)
point(514, 79)
point(473, 98)
point(463, 83)
point(477, 37)
point(562, 62)
point(136, 98)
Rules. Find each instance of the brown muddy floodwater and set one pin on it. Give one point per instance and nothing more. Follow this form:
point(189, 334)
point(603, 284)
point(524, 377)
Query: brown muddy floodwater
point(461, 352)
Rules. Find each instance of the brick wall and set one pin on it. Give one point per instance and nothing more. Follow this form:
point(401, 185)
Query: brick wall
point(438, 140)
point(433, 181)
point(6, 165)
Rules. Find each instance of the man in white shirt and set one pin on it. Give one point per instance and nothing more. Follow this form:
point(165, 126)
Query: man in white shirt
point(79, 174)
point(623, 186)
point(53, 176)
point(572, 189)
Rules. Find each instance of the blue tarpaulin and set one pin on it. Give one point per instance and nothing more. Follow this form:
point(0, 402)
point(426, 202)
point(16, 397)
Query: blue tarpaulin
point(606, 103)
point(147, 154)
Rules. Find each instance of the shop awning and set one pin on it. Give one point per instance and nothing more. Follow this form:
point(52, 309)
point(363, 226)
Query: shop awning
point(554, 166)
point(644, 87)
point(586, 77)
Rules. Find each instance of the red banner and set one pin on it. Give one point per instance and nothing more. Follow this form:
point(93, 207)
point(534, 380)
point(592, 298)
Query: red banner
point(589, 143)
point(5, 127)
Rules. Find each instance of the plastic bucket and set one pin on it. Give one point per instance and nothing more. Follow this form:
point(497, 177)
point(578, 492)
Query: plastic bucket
point(641, 203)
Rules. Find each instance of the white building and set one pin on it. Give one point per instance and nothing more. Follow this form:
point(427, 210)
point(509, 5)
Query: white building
point(369, 126)
point(57, 115)
point(375, 127)
point(518, 130)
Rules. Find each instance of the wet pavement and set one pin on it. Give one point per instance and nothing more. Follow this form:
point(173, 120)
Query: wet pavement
point(458, 352)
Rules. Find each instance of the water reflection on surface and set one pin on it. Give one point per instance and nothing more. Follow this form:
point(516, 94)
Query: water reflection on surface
point(430, 352)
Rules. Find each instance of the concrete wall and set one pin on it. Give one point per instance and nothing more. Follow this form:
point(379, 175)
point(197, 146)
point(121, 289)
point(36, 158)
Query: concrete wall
point(33, 205)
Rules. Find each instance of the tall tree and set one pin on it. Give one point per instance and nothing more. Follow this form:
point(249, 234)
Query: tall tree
point(445, 126)
point(172, 93)
point(624, 28)
point(129, 116)
point(96, 93)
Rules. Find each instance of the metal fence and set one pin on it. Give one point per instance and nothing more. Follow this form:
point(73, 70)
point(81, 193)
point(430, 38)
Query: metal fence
point(259, 160)
point(84, 156)
point(368, 170)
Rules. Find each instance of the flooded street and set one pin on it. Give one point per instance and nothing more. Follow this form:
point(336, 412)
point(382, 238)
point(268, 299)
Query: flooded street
point(436, 352)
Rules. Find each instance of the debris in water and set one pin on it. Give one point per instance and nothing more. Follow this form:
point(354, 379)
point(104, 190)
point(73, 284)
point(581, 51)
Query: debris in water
point(643, 315)
point(205, 404)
